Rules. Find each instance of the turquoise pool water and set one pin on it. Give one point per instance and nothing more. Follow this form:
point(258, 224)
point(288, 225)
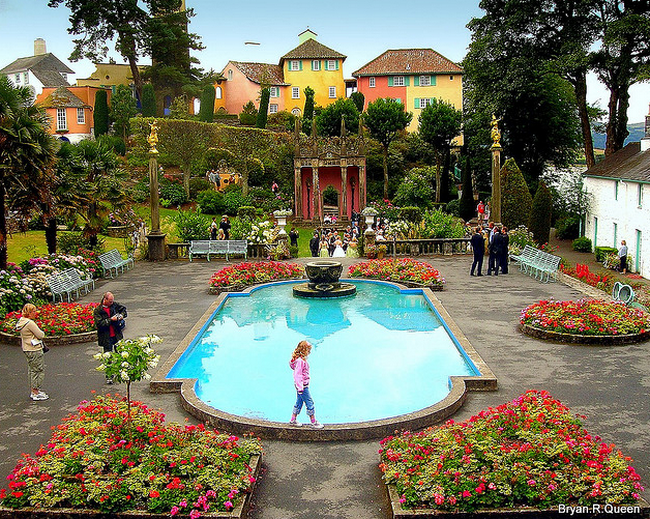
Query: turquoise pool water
point(381, 353)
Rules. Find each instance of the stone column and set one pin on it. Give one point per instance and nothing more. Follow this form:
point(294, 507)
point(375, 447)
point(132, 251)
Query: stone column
point(344, 189)
point(495, 204)
point(362, 187)
point(297, 178)
point(155, 238)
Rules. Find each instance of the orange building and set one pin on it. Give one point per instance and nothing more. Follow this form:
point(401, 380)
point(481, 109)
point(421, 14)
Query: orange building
point(70, 110)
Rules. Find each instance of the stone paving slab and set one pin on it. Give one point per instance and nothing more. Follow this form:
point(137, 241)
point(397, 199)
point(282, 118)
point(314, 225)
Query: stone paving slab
point(610, 385)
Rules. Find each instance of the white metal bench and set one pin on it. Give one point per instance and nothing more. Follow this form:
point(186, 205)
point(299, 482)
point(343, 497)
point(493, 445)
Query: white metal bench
point(229, 247)
point(199, 248)
point(536, 262)
point(112, 261)
point(69, 283)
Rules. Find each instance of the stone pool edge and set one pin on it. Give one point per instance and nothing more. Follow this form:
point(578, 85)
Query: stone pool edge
point(435, 414)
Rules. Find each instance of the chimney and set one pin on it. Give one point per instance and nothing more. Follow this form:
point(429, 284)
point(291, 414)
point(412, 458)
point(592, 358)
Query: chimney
point(645, 142)
point(39, 47)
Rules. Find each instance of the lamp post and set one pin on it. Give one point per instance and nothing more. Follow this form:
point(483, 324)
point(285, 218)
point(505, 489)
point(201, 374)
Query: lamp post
point(155, 238)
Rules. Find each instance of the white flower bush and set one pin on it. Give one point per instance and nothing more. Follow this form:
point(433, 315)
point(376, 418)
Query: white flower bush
point(262, 233)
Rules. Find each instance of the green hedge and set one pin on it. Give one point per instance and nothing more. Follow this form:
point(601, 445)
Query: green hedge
point(601, 252)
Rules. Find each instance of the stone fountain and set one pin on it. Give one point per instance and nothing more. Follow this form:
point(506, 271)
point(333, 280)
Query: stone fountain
point(324, 281)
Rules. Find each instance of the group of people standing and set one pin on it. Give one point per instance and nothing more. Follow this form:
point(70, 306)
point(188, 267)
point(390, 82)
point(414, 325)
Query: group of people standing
point(493, 242)
point(328, 243)
point(220, 231)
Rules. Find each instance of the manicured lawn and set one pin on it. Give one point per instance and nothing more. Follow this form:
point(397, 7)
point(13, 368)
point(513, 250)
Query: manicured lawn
point(32, 244)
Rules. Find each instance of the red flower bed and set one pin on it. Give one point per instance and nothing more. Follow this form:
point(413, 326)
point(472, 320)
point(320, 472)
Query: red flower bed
point(398, 270)
point(57, 319)
point(252, 273)
point(582, 272)
point(529, 452)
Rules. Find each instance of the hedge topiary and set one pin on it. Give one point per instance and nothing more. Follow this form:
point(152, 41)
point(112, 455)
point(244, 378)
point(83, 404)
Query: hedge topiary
point(210, 202)
point(516, 201)
point(148, 101)
point(263, 112)
point(601, 252)
point(582, 244)
point(206, 112)
point(540, 215)
point(467, 208)
point(101, 113)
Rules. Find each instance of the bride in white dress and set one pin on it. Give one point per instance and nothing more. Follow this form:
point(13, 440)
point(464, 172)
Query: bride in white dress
point(338, 250)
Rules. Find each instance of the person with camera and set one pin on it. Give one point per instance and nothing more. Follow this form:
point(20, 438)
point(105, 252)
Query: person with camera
point(109, 321)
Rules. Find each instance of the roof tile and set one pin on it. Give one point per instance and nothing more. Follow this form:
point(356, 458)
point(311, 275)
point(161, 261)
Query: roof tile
point(258, 72)
point(407, 62)
point(312, 49)
point(629, 163)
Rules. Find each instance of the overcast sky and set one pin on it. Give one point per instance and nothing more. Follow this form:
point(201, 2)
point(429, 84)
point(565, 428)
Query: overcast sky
point(360, 29)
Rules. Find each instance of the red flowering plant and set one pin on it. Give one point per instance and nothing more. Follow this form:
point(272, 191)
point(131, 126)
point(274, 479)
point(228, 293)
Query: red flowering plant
point(401, 270)
point(582, 272)
point(251, 273)
point(59, 319)
point(91, 461)
point(586, 317)
point(528, 452)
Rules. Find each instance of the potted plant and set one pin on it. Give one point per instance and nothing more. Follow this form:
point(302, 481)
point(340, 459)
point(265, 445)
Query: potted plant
point(381, 251)
point(281, 217)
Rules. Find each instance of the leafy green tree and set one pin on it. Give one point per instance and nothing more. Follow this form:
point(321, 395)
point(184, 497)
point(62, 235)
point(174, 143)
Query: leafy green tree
point(516, 201)
point(148, 101)
point(385, 118)
point(180, 108)
point(263, 112)
point(329, 120)
point(467, 207)
point(100, 115)
point(415, 189)
point(308, 112)
point(359, 100)
point(439, 124)
point(27, 154)
point(248, 115)
point(540, 214)
point(123, 107)
point(206, 112)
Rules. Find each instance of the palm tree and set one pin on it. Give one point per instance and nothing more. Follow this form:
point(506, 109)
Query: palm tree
point(27, 156)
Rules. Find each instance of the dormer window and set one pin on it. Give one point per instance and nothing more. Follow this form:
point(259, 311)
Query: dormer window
point(230, 75)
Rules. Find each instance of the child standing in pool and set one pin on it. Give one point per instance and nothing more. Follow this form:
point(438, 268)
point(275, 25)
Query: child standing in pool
point(300, 369)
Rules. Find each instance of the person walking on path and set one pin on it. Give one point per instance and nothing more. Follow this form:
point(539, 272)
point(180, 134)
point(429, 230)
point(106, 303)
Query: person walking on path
point(300, 368)
point(622, 257)
point(31, 340)
point(478, 247)
point(109, 321)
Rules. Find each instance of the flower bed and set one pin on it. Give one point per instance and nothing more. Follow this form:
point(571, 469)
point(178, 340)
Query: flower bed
point(93, 461)
point(601, 281)
point(405, 271)
point(586, 318)
point(531, 452)
point(251, 273)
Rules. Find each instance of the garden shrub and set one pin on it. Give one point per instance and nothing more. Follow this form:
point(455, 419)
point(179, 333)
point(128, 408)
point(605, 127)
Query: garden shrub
point(248, 115)
point(519, 238)
point(173, 193)
point(198, 184)
point(516, 201)
point(416, 189)
point(438, 224)
point(602, 251)
point(453, 207)
point(210, 202)
point(233, 199)
point(540, 214)
point(567, 228)
point(411, 214)
point(192, 225)
point(247, 211)
point(582, 244)
point(113, 142)
point(282, 120)
point(71, 242)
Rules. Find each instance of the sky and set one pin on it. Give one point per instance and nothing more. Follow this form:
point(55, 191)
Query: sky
point(361, 30)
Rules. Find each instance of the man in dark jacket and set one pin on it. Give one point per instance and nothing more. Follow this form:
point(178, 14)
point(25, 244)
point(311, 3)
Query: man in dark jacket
point(314, 244)
point(505, 241)
point(225, 225)
point(478, 246)
point(109, 321)
point(495, 248)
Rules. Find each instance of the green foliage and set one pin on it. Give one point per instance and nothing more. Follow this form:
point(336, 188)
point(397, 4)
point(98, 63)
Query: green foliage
point(210, 202)
point(198, 184)
point(192, 225)
point(173, 192)
point(206, 112)
point(453, 207)
point(282, 120)
point(113, 142)
point(263, 112)
point(71, 242)
point(601, 252)
point(329, 119)
point(567, 228)
point(519, 238)
point(359, 100)
point(540, 215)
point(247, 212)
point(308, 112)
point(330, 196)
point(582, 244)
point(411, 214)
point(100, 115)
point(415, 189)
point(516, 201)
point(438, 224)
point(148, 101)
point(467, 205)
point(233, 199)
point(179, 108)
point(123, 107)
point(248, 115)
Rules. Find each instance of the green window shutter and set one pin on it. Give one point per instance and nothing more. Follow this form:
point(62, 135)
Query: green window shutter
point(433, 80)
point(417, 103)
point(337, 64)
point(406, 80)
point(325, 65)
point(312, 64)
point(300, 65)
point(390, 80)
point(416, 81)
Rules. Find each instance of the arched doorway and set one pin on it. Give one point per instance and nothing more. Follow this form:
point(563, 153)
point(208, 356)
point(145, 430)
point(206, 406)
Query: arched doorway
point(331, 201)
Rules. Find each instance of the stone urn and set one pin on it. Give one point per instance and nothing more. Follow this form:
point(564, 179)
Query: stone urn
point(323, 272)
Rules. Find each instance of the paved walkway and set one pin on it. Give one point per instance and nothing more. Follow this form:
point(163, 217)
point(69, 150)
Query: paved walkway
point(341, 480)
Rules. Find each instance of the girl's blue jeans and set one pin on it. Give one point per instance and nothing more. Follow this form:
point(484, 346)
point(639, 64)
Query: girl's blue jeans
point(304, 398)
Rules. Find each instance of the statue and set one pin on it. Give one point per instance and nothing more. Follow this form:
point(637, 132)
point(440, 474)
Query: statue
point(495, 133)
point(153, 137)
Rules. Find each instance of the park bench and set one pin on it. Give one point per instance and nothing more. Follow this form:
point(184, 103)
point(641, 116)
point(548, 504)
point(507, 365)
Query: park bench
point(199, 248)
point(526, 258)
point(536, 262)
point(113, 261)
point(69, 283)
point(229, 247)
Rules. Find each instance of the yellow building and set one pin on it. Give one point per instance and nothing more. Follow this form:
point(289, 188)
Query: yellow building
point(109, 75)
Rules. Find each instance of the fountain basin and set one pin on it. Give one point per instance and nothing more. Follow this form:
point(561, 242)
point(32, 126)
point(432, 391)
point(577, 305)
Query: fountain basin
point(324, 281)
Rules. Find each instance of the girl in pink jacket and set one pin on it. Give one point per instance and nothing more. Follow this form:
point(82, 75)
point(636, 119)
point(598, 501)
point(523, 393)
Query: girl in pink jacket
point(300, 369)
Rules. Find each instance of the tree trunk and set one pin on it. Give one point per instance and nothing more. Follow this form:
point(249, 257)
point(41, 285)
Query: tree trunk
point(385, 172)
point(50, 235)
point(3, 227)
point(617, 123)
point(579, 81)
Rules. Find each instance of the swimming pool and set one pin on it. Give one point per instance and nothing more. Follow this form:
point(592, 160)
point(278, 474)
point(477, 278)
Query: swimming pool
point(382, 353)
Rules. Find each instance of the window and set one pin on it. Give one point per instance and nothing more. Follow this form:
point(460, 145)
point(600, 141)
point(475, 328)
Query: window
point(315, 64)
point(273, 109)
point(295, 64)
point(398, 81)
point(61, 120)
point(423, 102)
point(371, 82)
point(230, 75)
point(274, 92)
point(330, 64)
point(425, 80)
point(615, 233)
point(295, 93)
point(81, 116)
point(332, 91)
point(26, 78)
point(639, 195)
point(218, 92)
point(17, 78)
point(451, 78)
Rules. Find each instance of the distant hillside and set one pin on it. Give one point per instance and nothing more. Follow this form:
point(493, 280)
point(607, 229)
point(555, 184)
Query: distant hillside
point(636, 134)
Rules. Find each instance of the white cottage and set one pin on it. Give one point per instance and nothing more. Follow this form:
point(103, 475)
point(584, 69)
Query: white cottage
point(620, 185)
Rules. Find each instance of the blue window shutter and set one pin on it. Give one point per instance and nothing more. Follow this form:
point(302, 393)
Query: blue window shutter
point(390, 81)
point(300, 65)
point(433, 80)
point(406, 81)
point(416, 81)
point(417, 103)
